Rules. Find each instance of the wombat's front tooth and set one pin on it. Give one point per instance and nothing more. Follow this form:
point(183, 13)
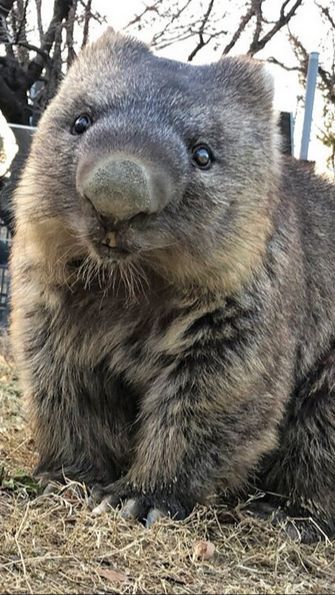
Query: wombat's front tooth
point(110, 239)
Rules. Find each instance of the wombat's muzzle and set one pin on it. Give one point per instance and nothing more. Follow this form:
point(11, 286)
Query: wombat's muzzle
point(119, 187)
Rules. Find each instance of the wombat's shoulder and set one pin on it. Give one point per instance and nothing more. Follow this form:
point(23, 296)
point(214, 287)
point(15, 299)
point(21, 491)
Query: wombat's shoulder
point(300, 180)
point(307, 218)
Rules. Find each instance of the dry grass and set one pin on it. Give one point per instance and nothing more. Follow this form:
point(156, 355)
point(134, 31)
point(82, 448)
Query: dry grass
point(52, 544)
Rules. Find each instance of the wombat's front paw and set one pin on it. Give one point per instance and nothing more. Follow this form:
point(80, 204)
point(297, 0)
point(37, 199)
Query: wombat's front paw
point(134, 504)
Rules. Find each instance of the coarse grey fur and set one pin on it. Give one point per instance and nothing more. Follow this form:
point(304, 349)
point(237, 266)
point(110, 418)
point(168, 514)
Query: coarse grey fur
point(194, 355)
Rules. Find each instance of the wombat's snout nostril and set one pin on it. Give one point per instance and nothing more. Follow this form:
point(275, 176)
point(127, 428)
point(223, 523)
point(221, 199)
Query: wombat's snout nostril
point(119, 189)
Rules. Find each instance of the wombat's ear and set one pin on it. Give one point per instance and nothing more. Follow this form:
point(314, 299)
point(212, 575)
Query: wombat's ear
point(108, 34)
point(112, 38)
point(249, 78)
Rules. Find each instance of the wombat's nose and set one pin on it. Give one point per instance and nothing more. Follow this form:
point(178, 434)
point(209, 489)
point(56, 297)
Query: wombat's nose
point(118, 188)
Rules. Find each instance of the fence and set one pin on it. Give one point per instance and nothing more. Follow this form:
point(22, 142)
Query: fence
point(5, 241)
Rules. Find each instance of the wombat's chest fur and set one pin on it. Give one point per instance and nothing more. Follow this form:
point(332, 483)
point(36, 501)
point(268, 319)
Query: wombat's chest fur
point(142, 336)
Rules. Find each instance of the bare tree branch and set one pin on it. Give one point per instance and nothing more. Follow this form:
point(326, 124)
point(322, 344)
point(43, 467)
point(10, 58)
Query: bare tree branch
point(139, 17)
point(96, 16)
point(5, 7)
point(202, 42)
point(273, 60)
point(60, 12)
point(302, 55)
point(21, 15)
point(257, 7)
point(38, 4)
point(87, 19)
point(326, 13)
point(33, 70)
point(71, 54)
point(243, 23)
point(12, 99)
point(32, 48)
point(54, 70)
point(284, 18)
point(174, 16)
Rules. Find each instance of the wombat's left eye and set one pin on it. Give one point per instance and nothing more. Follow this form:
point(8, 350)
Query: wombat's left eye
point(202, 156)
point(81, 124)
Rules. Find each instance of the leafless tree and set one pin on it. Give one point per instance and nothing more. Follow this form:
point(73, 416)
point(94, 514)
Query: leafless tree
point(326, 78)
point(34, 57)
point(212, 23)
point(326, 72)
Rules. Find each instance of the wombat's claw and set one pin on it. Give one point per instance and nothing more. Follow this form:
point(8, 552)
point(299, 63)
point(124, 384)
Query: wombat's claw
point(96, 496)
point(136, 508)
point(132, 509)
point(104, 506)
point(50, 488)
point(153, 516)
point(104, 498)
point(147, 508)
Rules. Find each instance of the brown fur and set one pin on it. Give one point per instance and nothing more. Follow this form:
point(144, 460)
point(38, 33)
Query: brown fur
point(203, 362)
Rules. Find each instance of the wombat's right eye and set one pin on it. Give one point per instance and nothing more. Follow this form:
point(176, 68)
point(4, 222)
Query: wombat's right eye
point(202, 156)
point(81, 124)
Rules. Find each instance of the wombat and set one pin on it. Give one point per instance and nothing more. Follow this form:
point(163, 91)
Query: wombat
point(173, 293)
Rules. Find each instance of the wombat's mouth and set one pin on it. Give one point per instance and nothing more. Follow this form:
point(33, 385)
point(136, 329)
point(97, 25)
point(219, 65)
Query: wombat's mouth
point(112, 246)
point(110, 240)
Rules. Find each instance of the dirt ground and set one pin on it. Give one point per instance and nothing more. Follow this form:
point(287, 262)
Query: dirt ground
point(52, 544)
